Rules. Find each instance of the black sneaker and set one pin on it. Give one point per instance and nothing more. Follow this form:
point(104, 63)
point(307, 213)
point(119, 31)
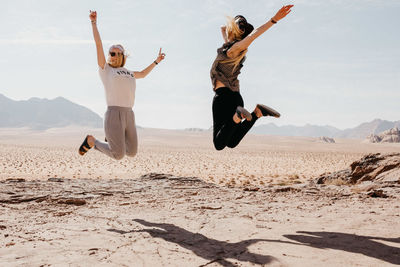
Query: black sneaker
point(243, 113)
point(267, 111)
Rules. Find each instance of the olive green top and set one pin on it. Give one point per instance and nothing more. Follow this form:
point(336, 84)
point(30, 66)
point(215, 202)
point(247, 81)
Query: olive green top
point(224, 71)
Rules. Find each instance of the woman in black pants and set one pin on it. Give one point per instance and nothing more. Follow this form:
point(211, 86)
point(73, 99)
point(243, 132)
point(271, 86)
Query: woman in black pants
point(231, 120)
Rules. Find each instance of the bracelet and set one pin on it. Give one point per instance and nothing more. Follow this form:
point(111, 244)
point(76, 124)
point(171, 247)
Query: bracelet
point(273, 21)
point(93, 21)
point(155, 62)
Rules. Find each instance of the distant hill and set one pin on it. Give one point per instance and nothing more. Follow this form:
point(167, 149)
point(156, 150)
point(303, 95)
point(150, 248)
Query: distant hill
point(365, 129)
point(42, 114)
point(362, 131)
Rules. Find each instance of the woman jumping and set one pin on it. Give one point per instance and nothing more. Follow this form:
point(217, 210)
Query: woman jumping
point(119, 84)
point(227, 107)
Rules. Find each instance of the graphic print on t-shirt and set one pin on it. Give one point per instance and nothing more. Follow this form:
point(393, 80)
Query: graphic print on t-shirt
point(122, 72)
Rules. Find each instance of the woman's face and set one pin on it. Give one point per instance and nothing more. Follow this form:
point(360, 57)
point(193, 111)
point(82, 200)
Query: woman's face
point(115, 57)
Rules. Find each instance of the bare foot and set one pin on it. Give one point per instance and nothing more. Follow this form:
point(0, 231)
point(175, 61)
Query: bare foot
point(258, 112)
point(87, 144)
point(91, 140)
point(236, 118)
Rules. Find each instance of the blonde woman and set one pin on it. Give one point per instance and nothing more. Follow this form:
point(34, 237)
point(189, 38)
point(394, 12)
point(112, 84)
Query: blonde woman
point(231, 120)
point(119, 84)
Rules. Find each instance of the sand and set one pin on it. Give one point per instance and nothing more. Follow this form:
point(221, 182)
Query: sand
point(181, 203)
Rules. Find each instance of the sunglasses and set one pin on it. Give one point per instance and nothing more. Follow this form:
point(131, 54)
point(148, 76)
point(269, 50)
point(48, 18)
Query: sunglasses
point(113, 54)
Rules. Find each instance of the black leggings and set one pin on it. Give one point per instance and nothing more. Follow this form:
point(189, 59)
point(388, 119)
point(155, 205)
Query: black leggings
point(227, 133)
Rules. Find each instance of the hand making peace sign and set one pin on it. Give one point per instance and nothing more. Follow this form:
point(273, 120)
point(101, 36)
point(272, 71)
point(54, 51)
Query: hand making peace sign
point(160, 57)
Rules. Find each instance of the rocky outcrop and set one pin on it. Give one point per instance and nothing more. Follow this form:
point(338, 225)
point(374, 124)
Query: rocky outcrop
point(327, 139)
point(388, 136)
point(373, 167)
point(378, 175)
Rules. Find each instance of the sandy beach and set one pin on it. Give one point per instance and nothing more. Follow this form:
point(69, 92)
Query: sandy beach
point(181, 203)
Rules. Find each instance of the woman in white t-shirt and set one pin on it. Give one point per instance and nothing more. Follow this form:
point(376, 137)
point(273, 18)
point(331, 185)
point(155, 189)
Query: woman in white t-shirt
point(119, 85)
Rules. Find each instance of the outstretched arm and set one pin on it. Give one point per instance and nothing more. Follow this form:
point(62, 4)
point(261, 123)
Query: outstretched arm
point(143, 73)
point(246, 42)
point(101, 60)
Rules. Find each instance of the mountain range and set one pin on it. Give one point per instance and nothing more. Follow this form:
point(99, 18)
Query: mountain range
point(41, 114)
point(361, 131)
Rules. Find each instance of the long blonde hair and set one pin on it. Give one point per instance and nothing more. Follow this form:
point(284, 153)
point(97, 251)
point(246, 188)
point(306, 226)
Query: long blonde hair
point(121, 58)
point(234, 34)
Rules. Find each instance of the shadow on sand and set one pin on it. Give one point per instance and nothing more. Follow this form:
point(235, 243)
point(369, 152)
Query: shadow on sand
point(365, 245)
point(206, 248)
point(219, 251)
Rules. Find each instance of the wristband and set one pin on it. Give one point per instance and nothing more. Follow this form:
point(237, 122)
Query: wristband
point(155, 62)
point(273, 21)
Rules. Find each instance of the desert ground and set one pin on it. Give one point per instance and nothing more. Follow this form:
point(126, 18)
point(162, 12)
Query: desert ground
point(179, 202)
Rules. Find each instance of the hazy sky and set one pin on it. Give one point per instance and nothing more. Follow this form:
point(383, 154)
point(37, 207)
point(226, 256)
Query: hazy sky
point(330, 62)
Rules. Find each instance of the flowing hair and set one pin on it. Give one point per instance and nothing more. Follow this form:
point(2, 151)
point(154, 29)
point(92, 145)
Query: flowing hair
point(234, 34)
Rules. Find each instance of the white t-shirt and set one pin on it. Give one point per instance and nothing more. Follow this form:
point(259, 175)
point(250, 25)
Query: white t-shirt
point(119, 85)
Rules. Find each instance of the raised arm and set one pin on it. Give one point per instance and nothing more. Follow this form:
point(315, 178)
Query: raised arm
point(143, 73)
point(223, 32)
point(101, 60)
point(246, 42)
